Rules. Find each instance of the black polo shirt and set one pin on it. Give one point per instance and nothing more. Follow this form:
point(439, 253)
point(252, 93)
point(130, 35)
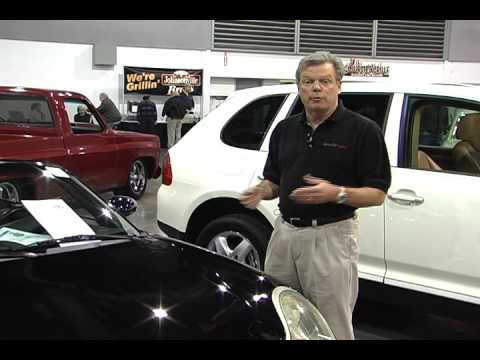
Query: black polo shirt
point(347, 149)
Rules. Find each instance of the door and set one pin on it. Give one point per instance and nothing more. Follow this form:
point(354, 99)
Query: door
point(91, 147)
point(28, 131)
point(432, 230)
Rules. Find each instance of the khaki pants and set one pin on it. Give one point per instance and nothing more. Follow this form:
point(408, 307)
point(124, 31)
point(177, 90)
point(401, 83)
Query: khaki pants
point(321, 263)
point(174, 131)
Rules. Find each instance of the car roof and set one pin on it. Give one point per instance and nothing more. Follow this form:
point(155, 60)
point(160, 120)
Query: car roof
point(37, 91)
point(460, 90)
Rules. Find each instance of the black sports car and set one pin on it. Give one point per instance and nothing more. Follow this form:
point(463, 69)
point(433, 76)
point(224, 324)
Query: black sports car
point(72, 267)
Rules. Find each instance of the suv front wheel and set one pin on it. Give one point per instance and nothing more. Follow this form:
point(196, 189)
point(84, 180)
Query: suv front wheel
point(238, 236)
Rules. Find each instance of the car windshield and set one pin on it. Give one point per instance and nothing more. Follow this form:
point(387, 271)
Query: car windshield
point(42, 202)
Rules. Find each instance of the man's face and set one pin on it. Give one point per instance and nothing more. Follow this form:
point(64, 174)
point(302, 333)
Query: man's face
point(318, 88)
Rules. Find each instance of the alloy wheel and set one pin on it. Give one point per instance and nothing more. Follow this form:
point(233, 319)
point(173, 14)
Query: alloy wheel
point(236, 246)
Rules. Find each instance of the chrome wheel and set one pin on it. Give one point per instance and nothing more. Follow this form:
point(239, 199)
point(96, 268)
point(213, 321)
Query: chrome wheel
point(236, 246)
point(137, 179)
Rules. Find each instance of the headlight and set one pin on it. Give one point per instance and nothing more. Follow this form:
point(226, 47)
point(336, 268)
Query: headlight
point(300, 318)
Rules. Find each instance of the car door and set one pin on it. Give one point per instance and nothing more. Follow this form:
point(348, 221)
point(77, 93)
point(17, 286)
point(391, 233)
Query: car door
point(244, 134)
point(432, 232)
point(28, 130)
point(91, 147)
point(270, 208)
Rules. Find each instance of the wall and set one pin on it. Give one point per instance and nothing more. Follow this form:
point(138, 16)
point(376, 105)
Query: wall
point(69, 67)
point(55, 66)
point(174, 34)
point(463, 40)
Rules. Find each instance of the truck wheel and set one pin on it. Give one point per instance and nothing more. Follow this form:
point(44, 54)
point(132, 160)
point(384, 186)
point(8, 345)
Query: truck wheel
point(137, 181)
point(238, 236)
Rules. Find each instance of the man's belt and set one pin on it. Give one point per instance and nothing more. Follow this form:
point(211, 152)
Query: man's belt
point(301, 222)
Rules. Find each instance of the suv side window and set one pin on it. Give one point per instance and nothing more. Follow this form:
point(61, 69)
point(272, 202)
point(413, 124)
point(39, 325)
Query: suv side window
point(81, 118)
point(373, 106)
point(20, 109)
point(443, 135)
point(247, 128)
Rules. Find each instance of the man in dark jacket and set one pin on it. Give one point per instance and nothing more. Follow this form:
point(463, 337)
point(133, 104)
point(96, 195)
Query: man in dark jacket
point(175, 109)
point(108, 109)
point(147, 115)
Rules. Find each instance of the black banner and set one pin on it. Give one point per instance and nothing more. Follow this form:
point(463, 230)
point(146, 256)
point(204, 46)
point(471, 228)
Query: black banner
point(167, 82)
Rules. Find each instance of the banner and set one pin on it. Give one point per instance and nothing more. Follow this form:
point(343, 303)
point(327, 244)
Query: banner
point(166, 82)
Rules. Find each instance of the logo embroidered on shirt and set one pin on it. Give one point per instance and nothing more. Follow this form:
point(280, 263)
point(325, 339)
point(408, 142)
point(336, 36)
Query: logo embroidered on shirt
point(333, 145)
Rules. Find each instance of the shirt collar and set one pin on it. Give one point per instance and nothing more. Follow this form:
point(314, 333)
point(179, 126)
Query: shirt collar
point(335, 117)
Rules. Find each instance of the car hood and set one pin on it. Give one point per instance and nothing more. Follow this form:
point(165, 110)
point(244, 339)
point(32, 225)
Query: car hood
point(156, 288)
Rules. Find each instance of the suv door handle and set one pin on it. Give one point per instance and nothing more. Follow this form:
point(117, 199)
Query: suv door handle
point(406, 197)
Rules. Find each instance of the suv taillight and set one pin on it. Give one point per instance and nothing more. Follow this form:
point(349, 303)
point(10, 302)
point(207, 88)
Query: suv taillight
point(167, 170)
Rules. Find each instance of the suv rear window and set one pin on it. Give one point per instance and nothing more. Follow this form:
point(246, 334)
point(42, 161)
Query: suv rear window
point(247, 128)
point(18, 109)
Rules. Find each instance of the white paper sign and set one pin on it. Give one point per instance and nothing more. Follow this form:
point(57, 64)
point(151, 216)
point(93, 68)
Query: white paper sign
point(58, 219)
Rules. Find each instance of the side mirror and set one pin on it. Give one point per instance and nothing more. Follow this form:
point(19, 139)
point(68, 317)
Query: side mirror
point(125, 205)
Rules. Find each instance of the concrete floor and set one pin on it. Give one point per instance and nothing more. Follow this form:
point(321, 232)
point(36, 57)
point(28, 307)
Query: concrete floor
point(145, 218)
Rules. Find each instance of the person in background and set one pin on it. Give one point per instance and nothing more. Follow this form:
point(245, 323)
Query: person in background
point(36, 113)
point(323, 163)
point(147, 115)
point(108, 109)
point(175, 109)
point(82, 114)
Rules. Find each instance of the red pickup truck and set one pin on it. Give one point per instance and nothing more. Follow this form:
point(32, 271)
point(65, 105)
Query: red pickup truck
point(63, 127)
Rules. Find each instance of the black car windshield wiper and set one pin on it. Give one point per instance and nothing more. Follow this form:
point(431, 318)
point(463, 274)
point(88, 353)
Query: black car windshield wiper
point(47, 244)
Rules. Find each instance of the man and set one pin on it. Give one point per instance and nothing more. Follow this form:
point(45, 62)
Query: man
point(147, 115)
point(108, 109)
point(82, 114)
point(175, 109)
point(36, 113)
point(323, 164)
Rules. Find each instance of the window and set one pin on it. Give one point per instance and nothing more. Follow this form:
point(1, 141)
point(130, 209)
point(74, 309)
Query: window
point(373, 106)
point(444, 135)
point(19, 109)
point(247, 128)
point(81, 117)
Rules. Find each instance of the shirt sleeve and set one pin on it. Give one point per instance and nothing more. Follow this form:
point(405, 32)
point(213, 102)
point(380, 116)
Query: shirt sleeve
point(373, 165)
point(271, 171)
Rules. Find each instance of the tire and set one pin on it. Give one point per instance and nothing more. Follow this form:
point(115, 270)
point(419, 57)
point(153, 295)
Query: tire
point(238, 236)
point(137, 181)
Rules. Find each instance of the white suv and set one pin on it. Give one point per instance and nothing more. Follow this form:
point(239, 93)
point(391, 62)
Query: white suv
point(423, 238)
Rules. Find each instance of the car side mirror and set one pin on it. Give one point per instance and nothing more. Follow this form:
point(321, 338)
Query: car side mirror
point(124, 205)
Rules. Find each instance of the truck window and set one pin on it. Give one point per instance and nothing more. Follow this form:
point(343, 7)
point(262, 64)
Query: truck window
point(81, 117)
point(21, 109)
point(443, 135)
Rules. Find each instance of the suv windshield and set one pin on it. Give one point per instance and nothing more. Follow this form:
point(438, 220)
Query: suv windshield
point(40, 203)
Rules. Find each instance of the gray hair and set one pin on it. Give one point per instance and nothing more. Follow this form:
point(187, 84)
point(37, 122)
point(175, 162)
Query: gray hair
point(319, 58)
point(103, 96)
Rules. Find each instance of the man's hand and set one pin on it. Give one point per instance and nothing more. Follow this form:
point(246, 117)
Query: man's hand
point(251, 197)
point(319, 191)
